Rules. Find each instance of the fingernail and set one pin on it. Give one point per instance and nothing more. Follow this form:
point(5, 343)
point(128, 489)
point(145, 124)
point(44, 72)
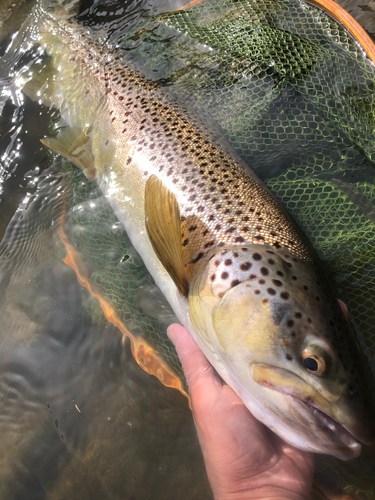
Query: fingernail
point(172, 334)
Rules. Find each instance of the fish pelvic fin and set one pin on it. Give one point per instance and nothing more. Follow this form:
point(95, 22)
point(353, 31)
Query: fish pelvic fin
point(74, 145)
point(163, 225)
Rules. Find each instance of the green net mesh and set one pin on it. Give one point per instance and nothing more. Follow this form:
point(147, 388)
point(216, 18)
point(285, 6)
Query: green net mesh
point(115, 266)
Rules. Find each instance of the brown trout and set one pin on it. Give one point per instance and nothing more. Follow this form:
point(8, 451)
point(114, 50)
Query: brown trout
point(228, 258)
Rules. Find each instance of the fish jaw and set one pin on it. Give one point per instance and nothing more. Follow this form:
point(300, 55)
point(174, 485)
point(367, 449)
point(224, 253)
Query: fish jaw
point(316, 414)
point(247, 337)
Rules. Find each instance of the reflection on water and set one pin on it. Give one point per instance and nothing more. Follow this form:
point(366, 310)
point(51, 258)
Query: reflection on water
point(79, 418)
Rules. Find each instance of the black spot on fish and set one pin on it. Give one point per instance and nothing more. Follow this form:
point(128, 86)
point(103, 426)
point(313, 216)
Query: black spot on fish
point(213, 276)
point(252, 276)
point(264, 271)
point(265, 301)
point(288, 357)
point(239, 239)
point(228, 262)
point(279, 273)
point(277, 282)
point(298, 315)
point(245, 266)
point(224, 275)
point(257, 256)
point(271, 261)
point(235, 283)
point(352, 391)
point(279, 311)
point(290, 323)
point(198, 257)
point(257, 292)
point(271, 291)
point(284, 295)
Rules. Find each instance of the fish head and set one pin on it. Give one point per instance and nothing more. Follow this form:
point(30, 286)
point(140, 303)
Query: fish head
point(282, 342)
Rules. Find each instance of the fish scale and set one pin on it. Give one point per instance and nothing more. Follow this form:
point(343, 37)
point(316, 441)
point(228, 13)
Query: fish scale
point(234, 208)
point(208, 180)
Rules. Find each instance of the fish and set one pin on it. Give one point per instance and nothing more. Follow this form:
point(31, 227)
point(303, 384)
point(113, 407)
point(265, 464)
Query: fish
point(233, 265)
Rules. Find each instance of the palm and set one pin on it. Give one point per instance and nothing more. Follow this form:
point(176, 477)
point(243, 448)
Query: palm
point(240, 453)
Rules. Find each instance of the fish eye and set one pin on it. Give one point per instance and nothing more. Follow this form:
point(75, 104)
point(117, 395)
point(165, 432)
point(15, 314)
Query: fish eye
point(313, 362)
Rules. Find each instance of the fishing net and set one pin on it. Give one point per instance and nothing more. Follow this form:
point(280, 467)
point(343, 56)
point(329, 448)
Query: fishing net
point(115, 267)
point(294, 94)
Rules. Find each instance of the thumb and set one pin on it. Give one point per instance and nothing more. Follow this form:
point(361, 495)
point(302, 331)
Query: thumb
point(196, 367)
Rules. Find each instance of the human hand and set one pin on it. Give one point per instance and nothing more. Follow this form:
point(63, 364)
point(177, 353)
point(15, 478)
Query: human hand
point(244, 459)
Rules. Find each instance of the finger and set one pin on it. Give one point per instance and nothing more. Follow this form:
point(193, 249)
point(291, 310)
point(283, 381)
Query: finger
point(194, 363)
point(344, 308)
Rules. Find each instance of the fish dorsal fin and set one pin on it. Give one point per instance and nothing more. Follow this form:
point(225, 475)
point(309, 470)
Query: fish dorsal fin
point(163, 224)
point(73, 144)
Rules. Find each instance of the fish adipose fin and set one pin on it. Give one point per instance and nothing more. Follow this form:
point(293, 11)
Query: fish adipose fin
point(163, 224)
point(73, 144)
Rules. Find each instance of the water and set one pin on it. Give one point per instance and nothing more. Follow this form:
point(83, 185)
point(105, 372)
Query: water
point(79, 418)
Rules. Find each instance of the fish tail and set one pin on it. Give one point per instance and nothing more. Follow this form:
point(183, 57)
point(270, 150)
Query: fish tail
point(23, 25)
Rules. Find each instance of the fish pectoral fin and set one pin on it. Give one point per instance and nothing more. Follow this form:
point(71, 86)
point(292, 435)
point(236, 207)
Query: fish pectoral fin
point(163, 224)
point(74, 145)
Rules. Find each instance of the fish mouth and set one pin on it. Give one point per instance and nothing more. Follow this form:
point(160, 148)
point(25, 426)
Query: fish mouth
point(318, 431)
point(335, 431)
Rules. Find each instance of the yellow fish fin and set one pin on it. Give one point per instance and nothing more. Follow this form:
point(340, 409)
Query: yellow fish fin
point(163, 224)
point(74, 145)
